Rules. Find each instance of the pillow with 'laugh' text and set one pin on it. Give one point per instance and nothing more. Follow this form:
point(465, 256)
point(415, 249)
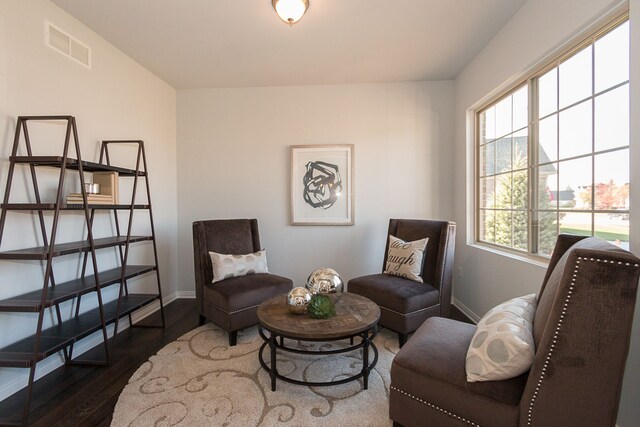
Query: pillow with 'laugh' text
point(404, 259)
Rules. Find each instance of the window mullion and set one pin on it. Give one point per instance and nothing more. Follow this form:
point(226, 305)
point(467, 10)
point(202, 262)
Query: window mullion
point(593, 136)
point(532, 211)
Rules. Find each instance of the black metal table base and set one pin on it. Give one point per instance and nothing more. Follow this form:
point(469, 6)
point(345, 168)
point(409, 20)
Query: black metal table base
point(274, 344)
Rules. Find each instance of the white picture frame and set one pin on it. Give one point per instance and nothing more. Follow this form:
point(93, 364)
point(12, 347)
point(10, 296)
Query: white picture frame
point(322, 184)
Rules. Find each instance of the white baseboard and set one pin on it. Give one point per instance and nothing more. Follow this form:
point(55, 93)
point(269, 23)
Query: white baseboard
point(465, 310)
point(55, 361)
point(185, 294)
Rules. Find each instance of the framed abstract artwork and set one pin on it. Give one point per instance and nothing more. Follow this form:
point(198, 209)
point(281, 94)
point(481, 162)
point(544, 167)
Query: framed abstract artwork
point(322, 185)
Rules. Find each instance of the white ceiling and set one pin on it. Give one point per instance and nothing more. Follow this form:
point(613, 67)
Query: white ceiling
point(237, 43)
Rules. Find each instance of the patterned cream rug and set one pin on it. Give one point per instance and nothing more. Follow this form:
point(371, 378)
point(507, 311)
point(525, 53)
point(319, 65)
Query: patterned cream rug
point(199, 380)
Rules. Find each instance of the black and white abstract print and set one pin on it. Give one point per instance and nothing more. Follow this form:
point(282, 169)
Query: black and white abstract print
point(322, 184)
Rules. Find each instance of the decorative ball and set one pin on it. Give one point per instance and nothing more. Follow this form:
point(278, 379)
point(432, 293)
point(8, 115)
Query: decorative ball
point(324, 281)
point(298, 300)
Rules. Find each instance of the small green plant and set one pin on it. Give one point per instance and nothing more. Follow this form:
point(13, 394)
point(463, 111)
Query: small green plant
point(321, 307)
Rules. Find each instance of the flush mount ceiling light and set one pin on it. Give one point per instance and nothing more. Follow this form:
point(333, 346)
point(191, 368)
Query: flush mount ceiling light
point(290, 11)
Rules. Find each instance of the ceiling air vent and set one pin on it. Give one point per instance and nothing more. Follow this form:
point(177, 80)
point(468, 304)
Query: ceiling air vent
point(62, 42)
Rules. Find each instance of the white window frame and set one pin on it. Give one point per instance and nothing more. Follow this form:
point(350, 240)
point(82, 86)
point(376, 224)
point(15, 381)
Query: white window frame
point(530, 80)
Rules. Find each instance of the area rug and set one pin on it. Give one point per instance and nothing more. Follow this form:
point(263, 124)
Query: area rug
point(198, 380)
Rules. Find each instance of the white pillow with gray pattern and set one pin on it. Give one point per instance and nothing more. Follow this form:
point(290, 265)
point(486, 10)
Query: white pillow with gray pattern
point(502, 346)
point(226, 266)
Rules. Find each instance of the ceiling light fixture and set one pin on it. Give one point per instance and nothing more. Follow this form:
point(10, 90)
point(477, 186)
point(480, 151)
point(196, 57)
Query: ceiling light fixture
point(290, 11)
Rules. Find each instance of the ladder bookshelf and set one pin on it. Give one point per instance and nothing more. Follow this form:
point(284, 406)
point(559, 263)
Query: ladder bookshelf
point(66, 332)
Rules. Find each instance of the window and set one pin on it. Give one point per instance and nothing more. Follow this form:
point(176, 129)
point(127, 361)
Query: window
point(553, 153)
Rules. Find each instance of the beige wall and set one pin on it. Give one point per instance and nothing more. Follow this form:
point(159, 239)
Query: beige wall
point(115, 99)
point(233, 162)
point(484, 278)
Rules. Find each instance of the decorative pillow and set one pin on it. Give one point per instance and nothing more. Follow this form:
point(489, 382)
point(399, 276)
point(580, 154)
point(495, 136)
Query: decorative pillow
point(503, 345)
point(228, 266)
point(404, 259)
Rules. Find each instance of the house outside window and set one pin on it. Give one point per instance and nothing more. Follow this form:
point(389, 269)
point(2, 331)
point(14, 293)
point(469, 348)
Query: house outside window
point(553, 153)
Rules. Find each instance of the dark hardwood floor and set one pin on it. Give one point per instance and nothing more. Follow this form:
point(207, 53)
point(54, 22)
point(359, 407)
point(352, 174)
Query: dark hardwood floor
point(86, 396)
point(456, 314)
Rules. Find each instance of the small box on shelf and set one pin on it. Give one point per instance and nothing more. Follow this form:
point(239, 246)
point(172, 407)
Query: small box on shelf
point(108, 182)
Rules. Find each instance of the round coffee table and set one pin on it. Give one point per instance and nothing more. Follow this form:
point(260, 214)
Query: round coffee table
point(356, 316)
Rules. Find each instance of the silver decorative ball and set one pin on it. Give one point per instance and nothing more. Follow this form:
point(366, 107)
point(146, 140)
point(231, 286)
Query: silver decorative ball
point(324, 281)
point(298, 300)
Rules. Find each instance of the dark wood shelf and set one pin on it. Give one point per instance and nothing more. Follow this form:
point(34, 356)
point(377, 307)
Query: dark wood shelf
point(63, 336)
point(67, 206)
point(73, 164)
point(30, 302)
point(55, 338)
point(20, 354)
point(87, 395)
point(41, 252)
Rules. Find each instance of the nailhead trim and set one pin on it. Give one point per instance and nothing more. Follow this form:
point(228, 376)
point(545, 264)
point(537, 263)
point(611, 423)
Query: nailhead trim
point(245, 309)
point(559, 327)
point(237, 311)
point(405, 314)
point(437, 408)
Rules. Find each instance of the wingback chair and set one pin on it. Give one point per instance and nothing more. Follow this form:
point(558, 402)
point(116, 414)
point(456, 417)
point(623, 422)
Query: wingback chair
point(231, 303)
point(404, 303)
point(581, 330)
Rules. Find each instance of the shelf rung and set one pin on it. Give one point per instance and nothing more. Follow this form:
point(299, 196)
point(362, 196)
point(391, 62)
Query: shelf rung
point(66, 206)
point(56, 161)
point(30, 302)
point(20, 354)
point(41, 252)
point(55, 338)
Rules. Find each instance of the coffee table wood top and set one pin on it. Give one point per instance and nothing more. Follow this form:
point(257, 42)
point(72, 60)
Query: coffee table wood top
point(354, 314)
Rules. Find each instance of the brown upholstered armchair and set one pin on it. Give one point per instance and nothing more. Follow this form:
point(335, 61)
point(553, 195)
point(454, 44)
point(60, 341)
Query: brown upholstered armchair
point(405, 304)
point(231, 303)
point(581, 330)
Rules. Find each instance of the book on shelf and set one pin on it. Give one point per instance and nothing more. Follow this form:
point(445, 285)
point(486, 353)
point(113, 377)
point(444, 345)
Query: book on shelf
point(108, 184)
point(102, 199)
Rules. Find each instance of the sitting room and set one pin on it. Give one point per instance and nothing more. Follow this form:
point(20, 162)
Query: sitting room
point(319, 212)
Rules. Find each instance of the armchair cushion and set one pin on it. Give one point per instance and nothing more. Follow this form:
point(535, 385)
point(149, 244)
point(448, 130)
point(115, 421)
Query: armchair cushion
point(405, 259)
point(432, 369)
point(226, 266)
point(245, 292)
point(502, 346)
point(395, 293)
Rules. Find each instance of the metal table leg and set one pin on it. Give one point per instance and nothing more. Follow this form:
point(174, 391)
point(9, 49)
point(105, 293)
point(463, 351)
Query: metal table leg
point(273, 370)
point(365, 359)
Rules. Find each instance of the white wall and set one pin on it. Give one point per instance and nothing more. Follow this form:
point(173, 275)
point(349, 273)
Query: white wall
point(484, 278)
point(233, 162)
point(116, 99)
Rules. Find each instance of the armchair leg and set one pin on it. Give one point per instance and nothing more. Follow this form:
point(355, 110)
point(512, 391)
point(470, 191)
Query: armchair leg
point(233, 338)
point(402, 338)
point(201, 320)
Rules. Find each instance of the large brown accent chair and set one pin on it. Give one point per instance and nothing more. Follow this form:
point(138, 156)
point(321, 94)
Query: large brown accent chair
point(581, 330)
point(231, 303)
point(405, 304)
